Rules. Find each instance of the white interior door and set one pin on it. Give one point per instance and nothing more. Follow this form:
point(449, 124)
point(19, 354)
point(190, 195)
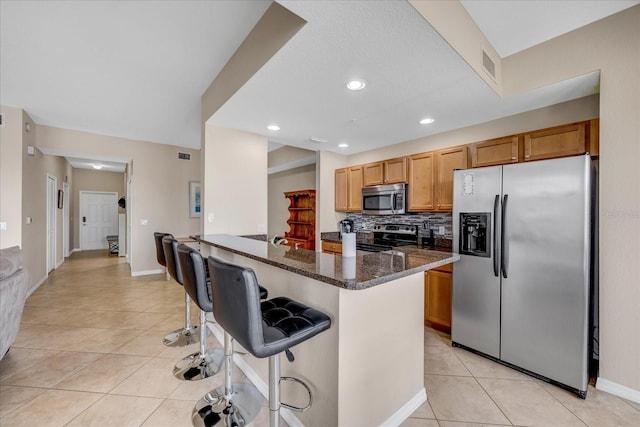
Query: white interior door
point(98, 219)
point(52, 205)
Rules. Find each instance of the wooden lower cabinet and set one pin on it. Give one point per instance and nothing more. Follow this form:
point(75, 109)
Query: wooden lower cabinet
point(331, 247)
point(437, 298)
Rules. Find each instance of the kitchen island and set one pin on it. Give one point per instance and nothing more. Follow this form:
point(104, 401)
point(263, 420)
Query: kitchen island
point(368, 368)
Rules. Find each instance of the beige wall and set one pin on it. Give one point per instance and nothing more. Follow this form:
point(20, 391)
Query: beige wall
point(11, 176)
point(326, 217)
point(611, 45)
point(35, 170)
point(566, 112)
point(92, 180)
point(159, 180)
point(235, 192)
point(302, 178)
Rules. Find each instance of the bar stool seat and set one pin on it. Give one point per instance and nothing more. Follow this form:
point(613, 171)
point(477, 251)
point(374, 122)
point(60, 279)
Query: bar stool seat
point(264, 329)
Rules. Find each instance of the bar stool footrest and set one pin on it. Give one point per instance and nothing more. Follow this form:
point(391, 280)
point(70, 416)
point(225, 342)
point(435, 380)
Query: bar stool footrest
point(297, 408)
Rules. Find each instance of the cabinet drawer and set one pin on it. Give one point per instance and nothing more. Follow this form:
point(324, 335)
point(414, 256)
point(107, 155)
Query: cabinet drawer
point(331, 247)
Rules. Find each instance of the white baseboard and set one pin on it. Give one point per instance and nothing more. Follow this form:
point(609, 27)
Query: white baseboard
point(60, 263)
point(618, 389)
point(36, 286)
point(75, 250)
point(146, 272)
point(255, 379)
point(406, 410)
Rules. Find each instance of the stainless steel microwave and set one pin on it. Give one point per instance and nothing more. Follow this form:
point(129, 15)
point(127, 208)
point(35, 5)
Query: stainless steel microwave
point(384, 199)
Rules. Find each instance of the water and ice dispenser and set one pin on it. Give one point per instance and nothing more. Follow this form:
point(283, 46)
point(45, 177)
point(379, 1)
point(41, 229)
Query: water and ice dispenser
point(475, 234)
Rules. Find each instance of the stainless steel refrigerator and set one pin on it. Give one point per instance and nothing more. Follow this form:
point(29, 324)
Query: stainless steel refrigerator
point(522, 287)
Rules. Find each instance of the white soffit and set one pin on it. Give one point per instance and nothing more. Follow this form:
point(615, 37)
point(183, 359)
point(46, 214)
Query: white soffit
point(515, 25)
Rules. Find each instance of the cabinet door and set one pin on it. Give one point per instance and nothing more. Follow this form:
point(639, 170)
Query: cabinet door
point(395, 170)
point(420, 191)
point(331, 247)
point(559, 141)
point(373, 173)
point(437, 299)
point(497, 151)
point(446, 161)
point(341, 195)
point(354, 189)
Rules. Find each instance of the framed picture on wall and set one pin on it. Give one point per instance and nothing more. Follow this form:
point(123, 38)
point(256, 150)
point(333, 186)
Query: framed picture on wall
point(60, 199)
point(194, 199)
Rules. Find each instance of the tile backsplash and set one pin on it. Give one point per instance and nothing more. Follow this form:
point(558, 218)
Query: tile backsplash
point(432, 220)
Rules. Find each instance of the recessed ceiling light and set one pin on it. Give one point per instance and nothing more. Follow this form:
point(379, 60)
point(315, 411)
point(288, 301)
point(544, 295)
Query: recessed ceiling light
point(97, 166)
point(427, 121)
point(356, 84)
point(273, 127)
point(343, 145)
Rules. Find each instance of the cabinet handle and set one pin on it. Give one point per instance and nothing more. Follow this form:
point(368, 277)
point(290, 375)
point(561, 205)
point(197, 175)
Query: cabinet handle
point(527, 156)
point(513, 158)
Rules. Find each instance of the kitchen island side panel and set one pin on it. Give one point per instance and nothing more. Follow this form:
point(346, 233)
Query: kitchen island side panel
point(368, 365)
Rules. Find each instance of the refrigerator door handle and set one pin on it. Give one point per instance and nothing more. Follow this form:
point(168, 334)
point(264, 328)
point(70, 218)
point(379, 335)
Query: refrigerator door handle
point(504, 242)
point(496, 266)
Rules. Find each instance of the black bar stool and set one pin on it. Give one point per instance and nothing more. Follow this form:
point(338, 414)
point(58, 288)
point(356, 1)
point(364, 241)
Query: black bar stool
point(189, 334)
point(206, 362)
point(157, 237)
point(265, 329)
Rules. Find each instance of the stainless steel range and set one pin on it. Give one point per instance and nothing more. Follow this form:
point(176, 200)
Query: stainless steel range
point(389, 236)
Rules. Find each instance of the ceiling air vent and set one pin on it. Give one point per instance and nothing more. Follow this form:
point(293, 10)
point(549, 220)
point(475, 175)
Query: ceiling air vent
point(488, 65)
point(184, 156)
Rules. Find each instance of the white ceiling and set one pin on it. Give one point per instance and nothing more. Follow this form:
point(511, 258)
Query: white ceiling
point(137, 69)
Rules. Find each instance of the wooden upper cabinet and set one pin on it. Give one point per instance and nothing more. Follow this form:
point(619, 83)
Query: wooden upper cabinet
point(446, 161)
point(340, 192)
point(421, 174)
point(559, 141)
point(354, 189)
point(390, 171)
point(499, 151)
point(348, 189)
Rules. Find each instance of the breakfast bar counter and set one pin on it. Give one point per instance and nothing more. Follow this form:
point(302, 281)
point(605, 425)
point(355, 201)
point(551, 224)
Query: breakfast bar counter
point(367, 369)
point(363, 271)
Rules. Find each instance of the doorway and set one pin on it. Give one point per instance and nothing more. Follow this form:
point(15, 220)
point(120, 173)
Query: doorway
point(65, 219)
point(52, 205)
point(98, 218)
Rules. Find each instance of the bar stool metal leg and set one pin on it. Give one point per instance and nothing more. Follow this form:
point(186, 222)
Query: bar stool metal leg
point(183, 336)
point(229, 405)
point(274, 390)
point(203, 364)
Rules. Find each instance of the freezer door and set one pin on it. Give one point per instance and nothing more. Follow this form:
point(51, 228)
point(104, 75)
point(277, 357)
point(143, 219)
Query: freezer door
point(545, 294)
point(475, 319)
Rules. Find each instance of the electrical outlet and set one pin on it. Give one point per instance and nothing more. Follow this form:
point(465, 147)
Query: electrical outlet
point(144, 222)
point(3, 226)
point(441, 230)
point(262, 228)
point(210, 217)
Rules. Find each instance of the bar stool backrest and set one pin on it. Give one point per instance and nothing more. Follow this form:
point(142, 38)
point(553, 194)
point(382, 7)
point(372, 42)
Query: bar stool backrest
point(236, 303)
point(157, 236)
point(170, 245)
point(194, 277)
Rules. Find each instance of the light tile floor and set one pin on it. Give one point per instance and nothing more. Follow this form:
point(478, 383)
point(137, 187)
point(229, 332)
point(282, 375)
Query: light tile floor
point(89, 352)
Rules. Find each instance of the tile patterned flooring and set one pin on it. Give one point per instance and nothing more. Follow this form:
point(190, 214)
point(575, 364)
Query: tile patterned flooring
point(90, 353)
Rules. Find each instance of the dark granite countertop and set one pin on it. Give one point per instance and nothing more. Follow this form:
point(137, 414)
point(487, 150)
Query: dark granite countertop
point(365, 270)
